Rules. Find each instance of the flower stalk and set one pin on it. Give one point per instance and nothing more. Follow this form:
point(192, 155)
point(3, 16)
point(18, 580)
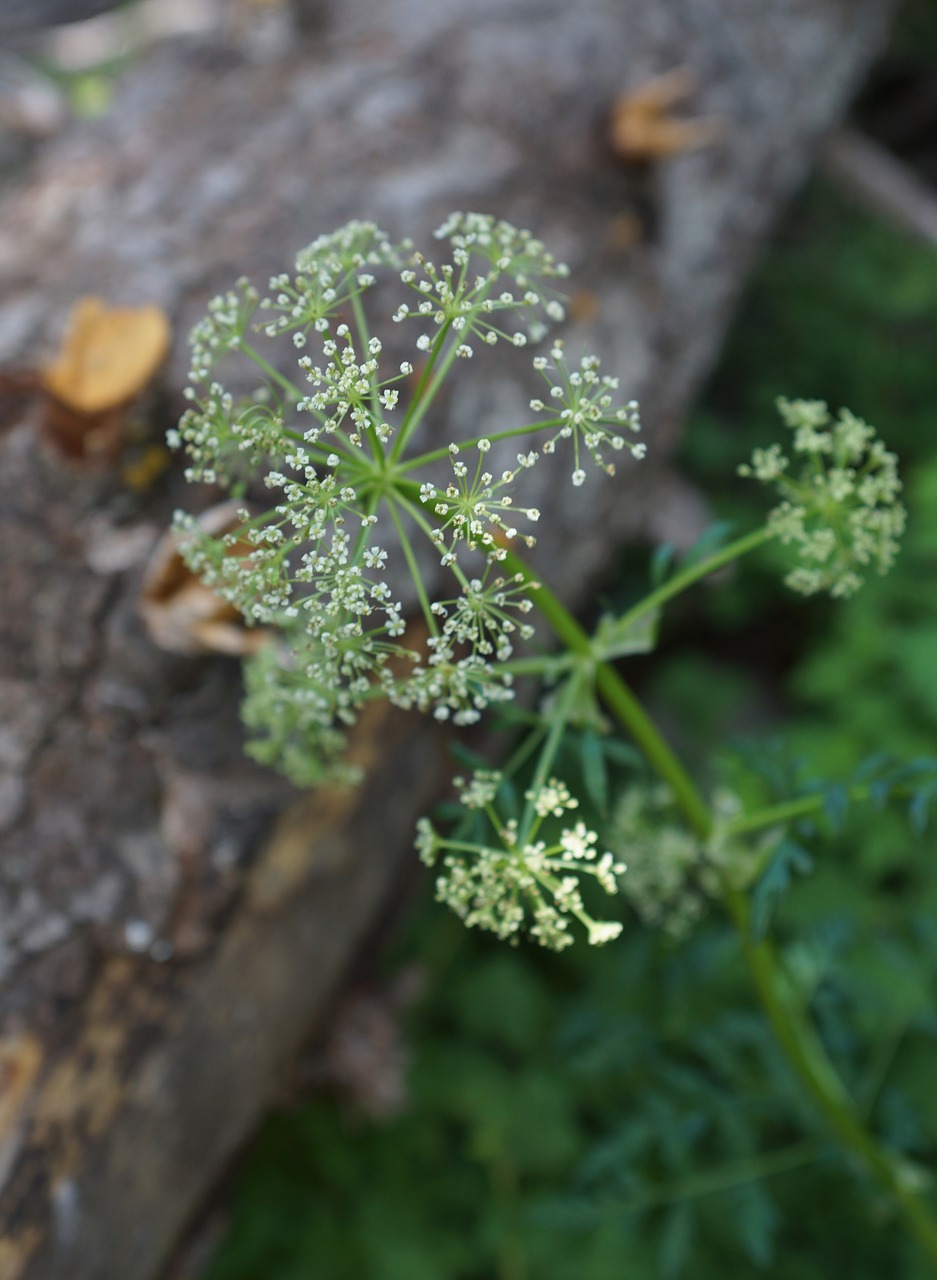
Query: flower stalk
point(336, 449)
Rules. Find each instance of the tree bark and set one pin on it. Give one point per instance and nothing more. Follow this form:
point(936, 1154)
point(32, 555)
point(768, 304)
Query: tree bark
point(173, 920)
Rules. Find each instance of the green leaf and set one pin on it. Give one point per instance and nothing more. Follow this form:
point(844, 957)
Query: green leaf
point(502, 1003)
point(617, 638)
point(623, 753)
point(708, 543)
point(594, 770)
point(788, 859)
point(919, 808)
point(662, 563)
point(677, 1240)
point(756, 1221)
point(836, 806)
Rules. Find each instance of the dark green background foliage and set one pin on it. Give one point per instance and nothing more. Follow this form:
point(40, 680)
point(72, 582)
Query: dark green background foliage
point(577, 1117)
point(611, 1113)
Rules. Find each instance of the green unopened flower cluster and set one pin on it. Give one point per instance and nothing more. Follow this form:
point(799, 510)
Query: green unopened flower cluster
point(672, 874)
point(508, 884)
point(664, 858)
point(841, 508)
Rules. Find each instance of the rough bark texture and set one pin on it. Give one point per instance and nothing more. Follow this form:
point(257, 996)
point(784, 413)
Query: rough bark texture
point(164, 944)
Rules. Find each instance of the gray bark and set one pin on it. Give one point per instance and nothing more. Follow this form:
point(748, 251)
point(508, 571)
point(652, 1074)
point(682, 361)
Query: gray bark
point(164, 946)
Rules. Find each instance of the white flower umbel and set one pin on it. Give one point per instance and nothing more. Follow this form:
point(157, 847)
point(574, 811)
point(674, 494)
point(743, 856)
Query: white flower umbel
point(585, 403)
point(494, 287)
point(332, 443)
point(222, 330)
point(476, 508)
point(507, 885)
point(841, 508)
point(330, 273)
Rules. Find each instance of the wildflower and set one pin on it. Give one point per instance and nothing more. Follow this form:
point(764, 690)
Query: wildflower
point(585, 402)
point(452, 296)
point(841, 510)
point(475, 508)
point(350, 500)
point(508, 884)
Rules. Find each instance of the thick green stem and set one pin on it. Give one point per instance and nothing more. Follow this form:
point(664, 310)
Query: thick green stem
point(806, 1054)
point(619, 698)
point(796, 1035)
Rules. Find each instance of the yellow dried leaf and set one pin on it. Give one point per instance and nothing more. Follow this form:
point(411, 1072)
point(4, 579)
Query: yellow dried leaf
point(108, 355)
point(642, 127)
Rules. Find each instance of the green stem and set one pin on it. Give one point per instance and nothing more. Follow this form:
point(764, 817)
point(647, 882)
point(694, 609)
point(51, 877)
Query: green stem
point(619, 698)
point(416, 511)
point(524, 750)
point(558, 721)
point(430, 381)
point(801, 807)
point(886, 1051)
point(686, 577)
point(363, 335)
point(795, 1034)
point(738, 1174)
point(543, 665)
point(492, 437)
point(292, 391)
point(413, 566)
point(780, 814)
point(806, 1054)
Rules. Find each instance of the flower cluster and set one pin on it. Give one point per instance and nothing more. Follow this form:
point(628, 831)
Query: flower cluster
point(350, 399)
point(474, 303)
point(222, 330)
point(672, 874)
point(841, 509)
point(478, 510)
point(332, 442)
point(330, 273)
point(664, 859)
point(587, 413)
point(478, 624)
point(292, 717)
point(514, 882)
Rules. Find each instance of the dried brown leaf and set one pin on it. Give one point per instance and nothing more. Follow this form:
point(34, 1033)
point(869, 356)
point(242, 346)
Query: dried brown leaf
point(642, 127)
point(108, 355)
